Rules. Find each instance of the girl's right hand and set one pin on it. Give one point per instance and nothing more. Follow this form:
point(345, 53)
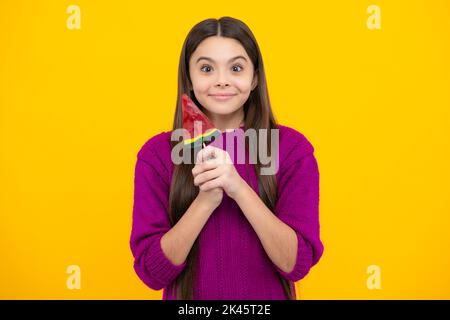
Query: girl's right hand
point(210, 198)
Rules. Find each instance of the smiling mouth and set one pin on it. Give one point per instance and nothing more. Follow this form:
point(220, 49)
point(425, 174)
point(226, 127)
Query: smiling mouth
point(222, 97)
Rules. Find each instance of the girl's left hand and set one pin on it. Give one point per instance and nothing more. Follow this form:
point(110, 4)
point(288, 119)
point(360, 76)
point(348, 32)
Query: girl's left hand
point(214, 168)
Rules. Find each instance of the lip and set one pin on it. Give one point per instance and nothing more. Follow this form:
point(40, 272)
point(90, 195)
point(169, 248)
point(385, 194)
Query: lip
point(223, 96)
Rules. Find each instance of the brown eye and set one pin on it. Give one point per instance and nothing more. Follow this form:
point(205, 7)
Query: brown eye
point(239, 66)
point(205, 66)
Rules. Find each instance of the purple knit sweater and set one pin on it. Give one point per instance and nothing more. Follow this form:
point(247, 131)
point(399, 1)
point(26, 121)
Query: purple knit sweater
point(232, 261)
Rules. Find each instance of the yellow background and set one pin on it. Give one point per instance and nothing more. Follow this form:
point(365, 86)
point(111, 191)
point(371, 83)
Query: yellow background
point(76, 105)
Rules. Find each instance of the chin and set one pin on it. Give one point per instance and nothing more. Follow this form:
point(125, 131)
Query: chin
point(221, 110)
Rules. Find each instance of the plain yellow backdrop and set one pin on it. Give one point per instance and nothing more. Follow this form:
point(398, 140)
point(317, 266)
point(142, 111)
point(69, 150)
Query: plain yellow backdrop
point(76, 106)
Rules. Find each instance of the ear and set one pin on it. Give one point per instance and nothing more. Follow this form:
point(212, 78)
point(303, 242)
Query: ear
point(255, 80)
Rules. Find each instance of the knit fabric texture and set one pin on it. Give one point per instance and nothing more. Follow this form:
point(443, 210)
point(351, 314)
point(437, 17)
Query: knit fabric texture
point(232, 263)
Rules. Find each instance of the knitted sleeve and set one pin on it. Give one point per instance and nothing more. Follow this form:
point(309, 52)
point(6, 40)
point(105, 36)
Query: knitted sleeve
point(151, 222)
point(298, 207)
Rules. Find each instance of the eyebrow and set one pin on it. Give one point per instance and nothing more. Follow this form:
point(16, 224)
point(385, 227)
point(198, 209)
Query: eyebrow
point(209, 59)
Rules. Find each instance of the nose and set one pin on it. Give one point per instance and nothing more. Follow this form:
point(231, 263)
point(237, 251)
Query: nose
point(222, 81)
point(220, 85)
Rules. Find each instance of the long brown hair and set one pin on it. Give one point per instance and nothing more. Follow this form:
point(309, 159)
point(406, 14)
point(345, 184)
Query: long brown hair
point(258, 115)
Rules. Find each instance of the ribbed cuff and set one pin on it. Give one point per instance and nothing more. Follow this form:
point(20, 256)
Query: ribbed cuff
point(159, 266)
point(303, 260)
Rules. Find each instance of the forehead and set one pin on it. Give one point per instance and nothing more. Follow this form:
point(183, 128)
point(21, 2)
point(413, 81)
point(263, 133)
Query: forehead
point(220, 49)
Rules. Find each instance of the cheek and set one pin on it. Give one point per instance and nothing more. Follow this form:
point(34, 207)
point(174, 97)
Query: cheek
point(202, 84)
point(244, 84)
point(199, 82)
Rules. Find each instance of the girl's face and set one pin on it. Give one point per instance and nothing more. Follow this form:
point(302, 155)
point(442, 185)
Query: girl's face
point(221, 66)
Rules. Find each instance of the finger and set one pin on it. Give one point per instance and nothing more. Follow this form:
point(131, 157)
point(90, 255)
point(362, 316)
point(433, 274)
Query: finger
point(206, 176)
point(206, 153)
point(221, 156)
point(211, 184)
point(205, 166)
